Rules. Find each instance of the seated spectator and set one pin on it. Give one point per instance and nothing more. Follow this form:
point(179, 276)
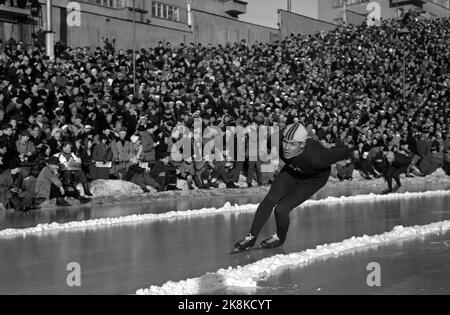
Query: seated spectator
point(21, 197)
point(165, 173)
point(345, 170)
point(71, 172)
point(55, 142)
point(142, 178)
point(188, 173)
point(36, 136)
point(49, 186)
point(363, 165)
point(25, 148)
point(395, 165)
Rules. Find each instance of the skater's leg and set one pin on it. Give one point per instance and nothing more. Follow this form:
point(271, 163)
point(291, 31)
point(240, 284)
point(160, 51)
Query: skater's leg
point(396, 175)
point(389, 177)
point(283, 184)
point(303, 192)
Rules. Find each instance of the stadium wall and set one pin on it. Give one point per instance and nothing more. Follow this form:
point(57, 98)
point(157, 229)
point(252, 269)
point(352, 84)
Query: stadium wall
point(436, 9)
point(293, 23)
point(216, 29)
point(355, 18)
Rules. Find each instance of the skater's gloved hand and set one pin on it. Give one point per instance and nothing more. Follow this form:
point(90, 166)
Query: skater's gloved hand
point(63, 192)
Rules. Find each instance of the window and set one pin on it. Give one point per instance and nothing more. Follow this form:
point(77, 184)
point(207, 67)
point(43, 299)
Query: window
point(165, 11)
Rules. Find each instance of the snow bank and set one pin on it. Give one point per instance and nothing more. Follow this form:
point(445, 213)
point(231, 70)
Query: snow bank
point(105, 188)
point(248, 276)
point(228, 208)
point(122, 220)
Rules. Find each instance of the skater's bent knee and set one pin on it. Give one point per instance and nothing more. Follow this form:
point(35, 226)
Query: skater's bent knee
point(281, 211)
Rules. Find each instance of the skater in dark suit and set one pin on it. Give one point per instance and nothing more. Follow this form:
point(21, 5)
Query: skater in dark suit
point(307, 170)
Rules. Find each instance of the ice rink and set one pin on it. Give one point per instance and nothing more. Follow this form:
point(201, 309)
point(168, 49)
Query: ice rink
point(121, 259)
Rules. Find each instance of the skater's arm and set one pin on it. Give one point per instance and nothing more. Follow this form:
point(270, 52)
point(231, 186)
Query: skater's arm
point(324, 157)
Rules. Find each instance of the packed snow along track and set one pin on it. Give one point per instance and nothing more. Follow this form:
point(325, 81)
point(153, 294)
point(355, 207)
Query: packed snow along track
point(228, 208)
point(248, 276)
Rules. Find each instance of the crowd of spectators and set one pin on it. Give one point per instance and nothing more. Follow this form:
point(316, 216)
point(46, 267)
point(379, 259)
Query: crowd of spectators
point(79, 117)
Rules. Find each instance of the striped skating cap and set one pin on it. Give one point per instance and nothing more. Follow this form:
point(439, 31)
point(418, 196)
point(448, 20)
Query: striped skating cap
point(296, 132)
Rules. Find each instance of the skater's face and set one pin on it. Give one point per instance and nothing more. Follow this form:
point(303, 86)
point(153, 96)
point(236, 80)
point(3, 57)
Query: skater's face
point(292, 148)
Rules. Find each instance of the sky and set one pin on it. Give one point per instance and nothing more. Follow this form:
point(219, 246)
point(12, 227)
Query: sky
point(264, 12)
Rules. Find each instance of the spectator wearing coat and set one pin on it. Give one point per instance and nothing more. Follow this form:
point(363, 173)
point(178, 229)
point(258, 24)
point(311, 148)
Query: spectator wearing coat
point(102, 157)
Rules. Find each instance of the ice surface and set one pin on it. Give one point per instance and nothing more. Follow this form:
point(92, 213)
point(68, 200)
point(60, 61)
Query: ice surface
point(228, 208)
point(248, 276)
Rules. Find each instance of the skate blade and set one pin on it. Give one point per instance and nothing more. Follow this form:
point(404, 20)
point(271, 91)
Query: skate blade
point(238, 251)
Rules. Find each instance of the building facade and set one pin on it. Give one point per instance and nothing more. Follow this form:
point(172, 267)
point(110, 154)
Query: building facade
point(358, 10)
point(175, 21)
point(89, 22)
point(19, 19)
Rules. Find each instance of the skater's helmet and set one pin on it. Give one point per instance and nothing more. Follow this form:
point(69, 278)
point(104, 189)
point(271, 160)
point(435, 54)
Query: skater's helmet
point(296, 132)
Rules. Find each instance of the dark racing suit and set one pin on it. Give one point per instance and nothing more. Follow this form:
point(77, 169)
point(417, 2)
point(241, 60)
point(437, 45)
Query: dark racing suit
point(299, 180)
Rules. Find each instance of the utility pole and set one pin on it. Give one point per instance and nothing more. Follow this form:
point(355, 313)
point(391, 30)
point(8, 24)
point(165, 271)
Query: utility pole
point(344, 12)
point(403, 33)
point(289, 5)
point(134, 48)
point(49, 34)
point(189, 12)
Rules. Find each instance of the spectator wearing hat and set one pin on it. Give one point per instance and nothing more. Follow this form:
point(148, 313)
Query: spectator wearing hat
point(21, 195)
point(136, 149)
point(48, 184)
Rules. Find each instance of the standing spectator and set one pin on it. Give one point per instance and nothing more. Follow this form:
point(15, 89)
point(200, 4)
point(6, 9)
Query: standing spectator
point(149, 145)
point(102, 156)
point(121, 149)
